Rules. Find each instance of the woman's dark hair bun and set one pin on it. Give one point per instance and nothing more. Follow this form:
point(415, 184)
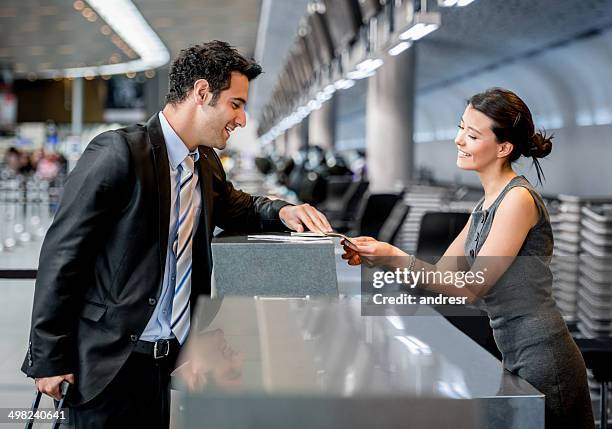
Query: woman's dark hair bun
point(540, 145)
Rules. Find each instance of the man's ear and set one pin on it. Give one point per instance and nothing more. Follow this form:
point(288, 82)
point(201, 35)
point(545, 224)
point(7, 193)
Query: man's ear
point(504, 149)
point(201, 92)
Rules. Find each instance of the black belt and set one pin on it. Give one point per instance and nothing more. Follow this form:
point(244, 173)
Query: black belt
point(158, 349)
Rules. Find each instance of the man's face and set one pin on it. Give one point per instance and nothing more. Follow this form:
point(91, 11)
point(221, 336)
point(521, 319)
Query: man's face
point(220, 120)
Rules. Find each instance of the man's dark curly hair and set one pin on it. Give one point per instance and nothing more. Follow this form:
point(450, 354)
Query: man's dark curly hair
point(213, 61)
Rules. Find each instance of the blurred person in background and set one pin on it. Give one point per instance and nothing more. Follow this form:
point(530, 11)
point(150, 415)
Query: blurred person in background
point(17, 161)
point(48, 165)
point(12, 159)
point(129, 252)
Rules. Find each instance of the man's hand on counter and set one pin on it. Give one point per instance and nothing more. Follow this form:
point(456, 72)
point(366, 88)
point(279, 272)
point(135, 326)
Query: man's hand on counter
point(304, 215)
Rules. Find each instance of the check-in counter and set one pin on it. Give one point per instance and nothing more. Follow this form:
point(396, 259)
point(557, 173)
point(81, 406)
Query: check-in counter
point(247, 266)
point(264, 362)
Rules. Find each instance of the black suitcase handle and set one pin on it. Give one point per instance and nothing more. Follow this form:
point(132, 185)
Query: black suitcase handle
point(64, 386)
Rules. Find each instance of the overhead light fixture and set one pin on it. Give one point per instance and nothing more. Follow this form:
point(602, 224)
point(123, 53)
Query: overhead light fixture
point(358, 74)
point(323, 96)
point(314, 105)
point(344, 84)
point(364, 69)
point(418, 31)
point(129, 24)
point(400, 47)
point(424, 23)
point(369, 64)
point(451, 3)
point(329, 89)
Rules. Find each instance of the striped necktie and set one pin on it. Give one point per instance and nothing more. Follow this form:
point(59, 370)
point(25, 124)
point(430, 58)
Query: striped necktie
point(182, 251)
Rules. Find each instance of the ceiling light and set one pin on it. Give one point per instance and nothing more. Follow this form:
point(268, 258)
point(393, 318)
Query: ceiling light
point(364, 69)
point(399, 48)
point(344, 84)
point(329, 89)
point(314, 105)
point(358, 74)
point(451, 3)
point(423, 24)
point(369, 65)
point(418, 31)
point(128, 23)
point(323, 96)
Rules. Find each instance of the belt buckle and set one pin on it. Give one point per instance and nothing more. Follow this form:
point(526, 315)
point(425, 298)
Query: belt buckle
point(164, 352)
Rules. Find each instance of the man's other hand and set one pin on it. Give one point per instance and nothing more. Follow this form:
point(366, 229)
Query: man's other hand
point(50, 385)
point(304, 215)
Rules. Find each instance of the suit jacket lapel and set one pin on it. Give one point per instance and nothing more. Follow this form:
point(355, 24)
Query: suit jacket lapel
point(162, 183)
point(203, 234)
point(202, 256)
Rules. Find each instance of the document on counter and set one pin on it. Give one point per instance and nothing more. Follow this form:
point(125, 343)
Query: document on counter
point(322, 235)
point(289, 238)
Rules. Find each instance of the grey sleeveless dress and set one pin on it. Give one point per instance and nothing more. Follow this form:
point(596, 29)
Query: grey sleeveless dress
point(528, 329)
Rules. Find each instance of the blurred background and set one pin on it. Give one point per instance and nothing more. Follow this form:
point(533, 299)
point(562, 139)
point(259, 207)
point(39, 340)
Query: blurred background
point(355, 113)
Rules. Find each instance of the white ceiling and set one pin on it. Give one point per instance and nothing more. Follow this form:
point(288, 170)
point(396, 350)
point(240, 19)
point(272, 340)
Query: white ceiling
point(482, 37)
point(489, 33)
point(49, 34)
point(181, 23)
point(37, 35)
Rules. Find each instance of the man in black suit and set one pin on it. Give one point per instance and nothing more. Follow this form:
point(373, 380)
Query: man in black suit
point(129, 249)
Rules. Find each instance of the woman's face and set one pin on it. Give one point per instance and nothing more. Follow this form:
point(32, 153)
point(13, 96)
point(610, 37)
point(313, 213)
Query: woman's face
point(476, 143)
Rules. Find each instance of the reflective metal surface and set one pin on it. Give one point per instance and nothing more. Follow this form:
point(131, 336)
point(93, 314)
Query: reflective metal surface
point(320, 350)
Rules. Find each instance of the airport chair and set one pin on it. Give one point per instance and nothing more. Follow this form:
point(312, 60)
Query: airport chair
point(373, 212)
point(313, 188)
point(393, 225)
point(264, 165)
point(437, 232)
point(341, 220)
point(337, 187)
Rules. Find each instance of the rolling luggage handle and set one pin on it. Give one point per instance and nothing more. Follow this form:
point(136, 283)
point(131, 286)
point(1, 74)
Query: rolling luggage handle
point(64, 386)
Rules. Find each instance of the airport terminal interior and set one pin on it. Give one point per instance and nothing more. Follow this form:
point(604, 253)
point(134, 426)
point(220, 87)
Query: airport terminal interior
point(362, 112)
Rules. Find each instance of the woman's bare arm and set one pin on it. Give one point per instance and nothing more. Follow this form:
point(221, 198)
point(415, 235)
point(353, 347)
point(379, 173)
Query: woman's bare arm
point(516, 215)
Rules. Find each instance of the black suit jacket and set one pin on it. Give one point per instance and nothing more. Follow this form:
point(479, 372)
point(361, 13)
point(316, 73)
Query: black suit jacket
point(102, 261)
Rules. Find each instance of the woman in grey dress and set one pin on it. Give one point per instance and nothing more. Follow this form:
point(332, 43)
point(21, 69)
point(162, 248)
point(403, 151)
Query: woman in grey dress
point(509, 234)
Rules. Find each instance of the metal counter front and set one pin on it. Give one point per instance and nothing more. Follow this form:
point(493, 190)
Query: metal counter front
point(317, 363)
point(244, 266)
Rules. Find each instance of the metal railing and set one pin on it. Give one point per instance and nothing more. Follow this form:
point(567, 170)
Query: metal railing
point(27, 206)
